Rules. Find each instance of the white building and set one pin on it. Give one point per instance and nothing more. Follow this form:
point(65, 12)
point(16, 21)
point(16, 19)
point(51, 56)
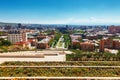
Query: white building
point(14, 36)
point(19, 35)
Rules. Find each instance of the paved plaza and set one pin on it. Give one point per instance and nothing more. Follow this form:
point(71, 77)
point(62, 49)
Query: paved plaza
point(33, 56)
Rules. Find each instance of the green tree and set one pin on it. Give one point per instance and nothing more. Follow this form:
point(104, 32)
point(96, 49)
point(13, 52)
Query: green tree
point(6, 43)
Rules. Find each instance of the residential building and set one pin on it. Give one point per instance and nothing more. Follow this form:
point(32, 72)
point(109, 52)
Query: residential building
point(19, 35)
point(109, 43)
point(116, 44)
point(91, 37)
point(114, 29)
point(43, 44)
point(75, 39)
point(23, 44)
point(88, 46)
point(14, 36)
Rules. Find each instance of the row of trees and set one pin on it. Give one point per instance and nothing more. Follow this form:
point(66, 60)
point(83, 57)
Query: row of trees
point(12, 48)
point(60, 72)
point(4, 42)
point(55, 39)
point(80, 55)
point(4, 45)
point(67, 40)
point(77, 63)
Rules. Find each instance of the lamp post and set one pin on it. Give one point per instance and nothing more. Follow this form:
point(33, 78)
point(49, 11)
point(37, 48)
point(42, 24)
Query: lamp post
point(46, 41)
point(35, 43)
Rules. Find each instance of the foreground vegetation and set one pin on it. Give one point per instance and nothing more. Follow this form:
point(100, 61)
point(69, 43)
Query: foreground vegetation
point(77, 63)
point(56, 72)
point(12, 48)
point(80, 55)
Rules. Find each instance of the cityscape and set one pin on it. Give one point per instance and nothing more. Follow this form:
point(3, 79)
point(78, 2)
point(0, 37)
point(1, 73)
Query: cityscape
point(41, 40)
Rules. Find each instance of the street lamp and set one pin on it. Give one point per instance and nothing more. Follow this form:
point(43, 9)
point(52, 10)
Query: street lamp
point(35, 42)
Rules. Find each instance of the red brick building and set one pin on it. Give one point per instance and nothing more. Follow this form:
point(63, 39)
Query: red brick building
point(116, 44)
point(91, 37)
point(87, 46)
point(43, 44)
point(75, 39)
point(109, 43)
point(114, 29)
point(23, 44)
point(41, 37)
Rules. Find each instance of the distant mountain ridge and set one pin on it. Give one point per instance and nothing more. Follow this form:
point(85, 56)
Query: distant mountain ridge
point(11, 24)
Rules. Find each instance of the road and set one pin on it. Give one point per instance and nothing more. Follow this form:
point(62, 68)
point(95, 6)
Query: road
point(60, 43)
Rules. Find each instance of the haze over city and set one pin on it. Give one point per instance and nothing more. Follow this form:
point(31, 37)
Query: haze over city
point(87, 12)
point(60, 39)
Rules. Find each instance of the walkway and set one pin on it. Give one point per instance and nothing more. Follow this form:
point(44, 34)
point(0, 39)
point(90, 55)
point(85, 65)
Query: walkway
point(60, 43)
point(63, 78)
point(33, 56)
point(60, 66)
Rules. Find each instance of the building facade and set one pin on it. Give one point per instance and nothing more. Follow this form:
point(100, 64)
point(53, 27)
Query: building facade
point(88, 46)
point(21, 35)
point(43, 44)
point(114, 29)
point(14, 36)
point(109, 43)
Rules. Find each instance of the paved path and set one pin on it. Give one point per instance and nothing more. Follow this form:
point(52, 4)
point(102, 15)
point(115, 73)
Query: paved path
point(61, 39)
point(46, 58)
point(63, 78)
point(33, 56)
point(92, 61)
point(61, 66)
point(52, 46)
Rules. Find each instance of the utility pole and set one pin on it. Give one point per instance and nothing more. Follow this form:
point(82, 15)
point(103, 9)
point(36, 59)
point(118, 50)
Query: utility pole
point(35, 43)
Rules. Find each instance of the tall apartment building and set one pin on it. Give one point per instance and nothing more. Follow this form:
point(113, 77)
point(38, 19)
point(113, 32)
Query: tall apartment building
point(114, 29)
point(19, 35)
point(109, 43)
point(14, 36)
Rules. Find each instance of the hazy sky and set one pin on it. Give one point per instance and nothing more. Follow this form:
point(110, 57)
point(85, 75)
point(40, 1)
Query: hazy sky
point(60, 11)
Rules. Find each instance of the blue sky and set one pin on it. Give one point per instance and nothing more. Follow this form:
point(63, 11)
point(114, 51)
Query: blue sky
point(60, 11)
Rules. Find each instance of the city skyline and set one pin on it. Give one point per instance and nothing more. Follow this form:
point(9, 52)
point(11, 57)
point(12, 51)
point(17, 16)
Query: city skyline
point(60, 11)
